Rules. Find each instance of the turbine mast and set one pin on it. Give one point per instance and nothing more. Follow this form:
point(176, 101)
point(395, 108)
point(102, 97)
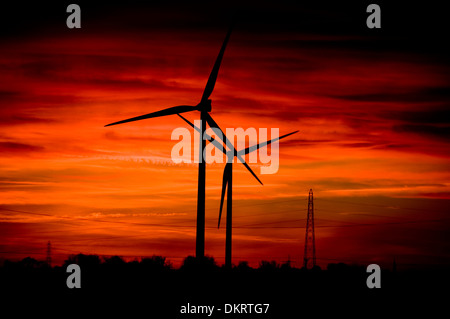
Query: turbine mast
point(200, 239)
point(229, 219)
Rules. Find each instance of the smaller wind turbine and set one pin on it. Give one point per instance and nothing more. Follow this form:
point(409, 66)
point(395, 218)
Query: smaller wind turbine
point(227, 181)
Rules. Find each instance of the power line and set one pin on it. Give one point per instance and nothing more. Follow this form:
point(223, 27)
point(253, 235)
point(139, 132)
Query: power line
point(356, 225)
point(372, 205)
point(176, 224)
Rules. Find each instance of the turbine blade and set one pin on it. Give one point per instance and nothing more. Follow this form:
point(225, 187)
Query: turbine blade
point(215, 142)
point(225, 140)
point(249, 169)
point(215, 70)
point(213, 124)
point(224, 186)
point(259, 145)
point(168, 111)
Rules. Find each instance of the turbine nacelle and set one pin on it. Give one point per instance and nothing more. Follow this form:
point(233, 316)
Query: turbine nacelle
point(204, 105)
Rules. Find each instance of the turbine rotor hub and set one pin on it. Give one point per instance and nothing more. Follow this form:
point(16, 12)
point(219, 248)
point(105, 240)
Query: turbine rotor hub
point(205, 105)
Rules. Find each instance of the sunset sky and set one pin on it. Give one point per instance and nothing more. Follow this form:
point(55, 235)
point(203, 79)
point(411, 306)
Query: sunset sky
point(371, 107)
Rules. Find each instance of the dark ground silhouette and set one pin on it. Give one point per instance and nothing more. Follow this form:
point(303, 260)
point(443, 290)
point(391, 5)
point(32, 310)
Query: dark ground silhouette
point(152, 285)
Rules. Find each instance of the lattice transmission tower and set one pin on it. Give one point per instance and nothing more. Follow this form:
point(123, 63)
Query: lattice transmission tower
point(309, 257)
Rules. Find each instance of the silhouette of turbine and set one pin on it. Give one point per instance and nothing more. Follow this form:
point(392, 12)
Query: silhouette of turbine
point(227, 182)
point(204, 107)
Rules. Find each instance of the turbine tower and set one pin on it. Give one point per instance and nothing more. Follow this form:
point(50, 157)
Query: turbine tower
point(309, 258)
point(204, 107)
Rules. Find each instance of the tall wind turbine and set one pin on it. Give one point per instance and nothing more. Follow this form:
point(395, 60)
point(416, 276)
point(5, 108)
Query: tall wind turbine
point(204, 107)
point(227, 182)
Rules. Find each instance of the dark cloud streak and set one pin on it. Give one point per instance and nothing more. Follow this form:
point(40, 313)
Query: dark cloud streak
point(18, 149)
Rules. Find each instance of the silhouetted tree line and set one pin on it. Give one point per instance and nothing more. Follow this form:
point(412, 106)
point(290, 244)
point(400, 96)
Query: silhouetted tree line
point(155, 281)
point(100, 272)
point(160, 263)
point(154, 263)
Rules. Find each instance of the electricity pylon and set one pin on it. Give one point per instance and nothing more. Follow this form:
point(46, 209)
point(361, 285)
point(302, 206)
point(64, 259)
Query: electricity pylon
point(309, 257)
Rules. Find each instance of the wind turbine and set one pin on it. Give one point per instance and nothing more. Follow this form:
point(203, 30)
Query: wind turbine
point(227, 182)
point(204, 107)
